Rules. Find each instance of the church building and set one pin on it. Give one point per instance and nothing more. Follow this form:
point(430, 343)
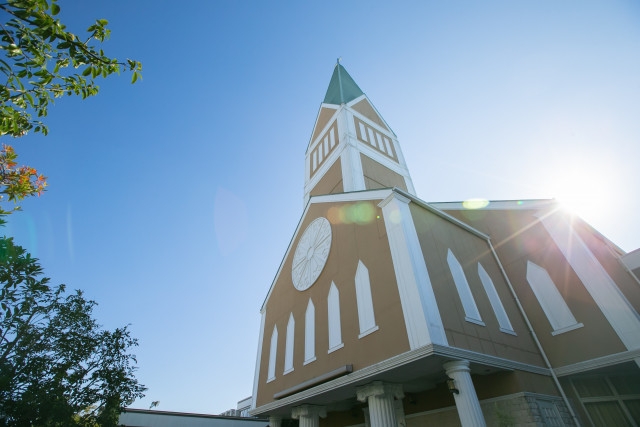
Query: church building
point(388, 310)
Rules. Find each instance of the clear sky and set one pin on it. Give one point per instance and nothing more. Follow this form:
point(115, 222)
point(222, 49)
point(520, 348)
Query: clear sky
point(172, 201)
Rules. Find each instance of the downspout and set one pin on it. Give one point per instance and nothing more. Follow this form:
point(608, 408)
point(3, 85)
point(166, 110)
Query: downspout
point(535, 338)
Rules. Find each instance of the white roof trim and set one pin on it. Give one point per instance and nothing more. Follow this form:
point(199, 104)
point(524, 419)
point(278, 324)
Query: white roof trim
point(436, 210)
point(632, 259)
point(364, 96)
point(498, 205)
point(354, 196)
point(356, 100)
point(598, 362)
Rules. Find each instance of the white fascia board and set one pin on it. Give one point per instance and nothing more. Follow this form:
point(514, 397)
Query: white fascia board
point(323, 105)
point(431, 207)
point(598, 362)
point(534, 204)
point(364, 96)
point(632, 259)
point(354, 196)
point(341, 197)
point(362, 375)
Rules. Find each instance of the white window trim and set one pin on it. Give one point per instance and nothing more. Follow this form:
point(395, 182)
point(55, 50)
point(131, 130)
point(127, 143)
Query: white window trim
point(494, 300)
point(550, 300)
point(309, 333)
point(364, 300)
point(333, 316)
point(289, 345)
point(273, 350)
point(471, 312)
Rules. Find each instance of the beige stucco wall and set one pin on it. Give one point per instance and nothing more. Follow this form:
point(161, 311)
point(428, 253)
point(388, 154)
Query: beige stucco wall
point(518, 237)
point(437, 236)
point(324, 116)
point(331, 181)
point(379, 176)
point(363, 107)
point(366, 241)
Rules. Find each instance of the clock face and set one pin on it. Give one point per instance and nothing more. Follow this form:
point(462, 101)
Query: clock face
point(311, 254)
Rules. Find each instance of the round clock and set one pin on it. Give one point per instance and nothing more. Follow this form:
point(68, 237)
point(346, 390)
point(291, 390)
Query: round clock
point(311, 254)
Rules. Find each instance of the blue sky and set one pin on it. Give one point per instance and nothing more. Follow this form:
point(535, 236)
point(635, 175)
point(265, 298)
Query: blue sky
point(172, 201)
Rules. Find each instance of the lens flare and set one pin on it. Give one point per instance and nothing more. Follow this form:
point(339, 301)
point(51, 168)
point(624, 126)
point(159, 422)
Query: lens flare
point(475, 203)
point(360, 213)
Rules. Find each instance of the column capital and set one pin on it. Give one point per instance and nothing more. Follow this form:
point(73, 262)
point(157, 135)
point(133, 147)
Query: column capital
point(275, 421)
point(456, 366)
point(378, 388)
point(308, 411)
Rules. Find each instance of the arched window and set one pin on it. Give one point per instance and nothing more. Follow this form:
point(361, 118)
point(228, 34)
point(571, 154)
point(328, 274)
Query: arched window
point(335, 332)
point(310, 333)
point(494, 299)
point(466, 297)
point(366, 317)
point(550, 299)
point(271, 373)
point(288, 350)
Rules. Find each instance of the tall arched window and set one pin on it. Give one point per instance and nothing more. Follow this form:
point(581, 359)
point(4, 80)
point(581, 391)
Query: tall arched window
point(335, 332)
point(494, 299)
point(464, 291)
point(366, 317)
point(271, 373)
point(550, 299)
point(310, 333)
point(288, 350)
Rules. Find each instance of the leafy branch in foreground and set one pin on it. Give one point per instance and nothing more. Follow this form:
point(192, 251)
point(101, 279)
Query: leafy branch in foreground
point(57, 366)
point(41, 61)
point(38, 54)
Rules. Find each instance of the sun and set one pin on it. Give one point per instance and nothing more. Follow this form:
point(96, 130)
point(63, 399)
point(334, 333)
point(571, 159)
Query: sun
point(583, 189)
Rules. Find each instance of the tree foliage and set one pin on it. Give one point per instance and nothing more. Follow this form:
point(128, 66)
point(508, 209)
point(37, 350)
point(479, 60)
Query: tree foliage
point(41, 61)
point(57, 365)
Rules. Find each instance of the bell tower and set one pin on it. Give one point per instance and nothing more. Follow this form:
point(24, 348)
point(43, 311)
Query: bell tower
point(352, 148)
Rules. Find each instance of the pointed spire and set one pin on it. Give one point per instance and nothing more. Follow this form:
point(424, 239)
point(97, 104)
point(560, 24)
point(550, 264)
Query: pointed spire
point(342, 88)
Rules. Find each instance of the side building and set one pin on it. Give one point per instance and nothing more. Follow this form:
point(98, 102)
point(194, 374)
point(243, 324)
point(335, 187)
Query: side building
point(390, 311)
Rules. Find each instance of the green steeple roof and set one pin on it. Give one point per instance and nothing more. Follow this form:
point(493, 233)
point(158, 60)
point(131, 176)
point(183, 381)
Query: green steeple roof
point(342, 88)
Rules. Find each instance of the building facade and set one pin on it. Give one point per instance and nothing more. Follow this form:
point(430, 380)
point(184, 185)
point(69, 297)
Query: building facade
point(390, 311)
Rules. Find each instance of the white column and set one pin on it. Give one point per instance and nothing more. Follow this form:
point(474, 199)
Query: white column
point(380, 399)
point(367, 421)
point(309, 415)
point(400, 414)
point(466, 399)
point(275, 421)
point(352, 175)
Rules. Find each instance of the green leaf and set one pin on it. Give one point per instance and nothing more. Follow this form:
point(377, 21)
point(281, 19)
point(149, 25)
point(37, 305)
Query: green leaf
point(134, 78)
point(87, 71)
point(55, 9)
